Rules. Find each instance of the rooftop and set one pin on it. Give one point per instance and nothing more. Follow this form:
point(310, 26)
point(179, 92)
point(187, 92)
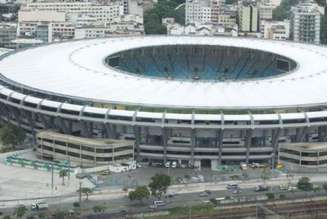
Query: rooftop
point(77, 69)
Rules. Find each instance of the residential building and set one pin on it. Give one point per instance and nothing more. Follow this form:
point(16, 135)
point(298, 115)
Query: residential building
point(305, 22)
point(41, 16)
point(248, 16)
point(198, 11)
point(103, 13)
point(265, 11)
point(7, 34)
point(123, 25)
point(227, 17)
point(198, 29)
point(275, 30)
point(134, 7)
point(46, 31)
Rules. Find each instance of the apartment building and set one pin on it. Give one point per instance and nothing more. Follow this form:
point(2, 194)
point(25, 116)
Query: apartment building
point(248, 16)
point(275, 30)
point(103, 13)
point(305, 22)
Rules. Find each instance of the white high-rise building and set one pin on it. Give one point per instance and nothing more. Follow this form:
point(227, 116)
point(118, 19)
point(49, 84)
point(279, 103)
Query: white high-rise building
point(305, 22)
point(248, 16)
point(198, 11)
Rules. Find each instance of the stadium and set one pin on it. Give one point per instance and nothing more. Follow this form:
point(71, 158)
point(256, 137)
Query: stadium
point(200, 101)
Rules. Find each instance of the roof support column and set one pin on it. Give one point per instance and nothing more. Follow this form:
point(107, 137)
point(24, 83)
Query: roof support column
point(322, 133)
point(301, 134)
point(248, 140)
point(137, 134)
point(218, 144)
point(275, 145)
point(85, 131)
point(164, 136)
point(193, 145)
point(44, 121)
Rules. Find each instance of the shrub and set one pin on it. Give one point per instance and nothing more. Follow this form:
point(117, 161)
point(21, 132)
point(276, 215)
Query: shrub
point(76, 204)
point(282, 196)
point(270, 195)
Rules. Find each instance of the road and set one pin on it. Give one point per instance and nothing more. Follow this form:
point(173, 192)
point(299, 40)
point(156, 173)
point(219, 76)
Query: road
point(187, 195)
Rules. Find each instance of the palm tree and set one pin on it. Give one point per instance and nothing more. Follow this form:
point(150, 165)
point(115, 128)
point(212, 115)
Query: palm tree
point(62, 174)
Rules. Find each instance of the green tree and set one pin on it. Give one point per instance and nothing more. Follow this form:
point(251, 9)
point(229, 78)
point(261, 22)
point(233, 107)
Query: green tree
point(270, 195)
point(140, 193)
point(11, 135)
point(59, 215)
point(304, 184)
point(283, 10)
point(20, 211)
point(162, 9)
point(159, 184)
point(62, 174)
point(99, 208)
point(86, 191)
point(324, 186)
point(266, 174)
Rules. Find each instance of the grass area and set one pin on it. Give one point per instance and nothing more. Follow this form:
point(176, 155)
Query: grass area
point(203, 209)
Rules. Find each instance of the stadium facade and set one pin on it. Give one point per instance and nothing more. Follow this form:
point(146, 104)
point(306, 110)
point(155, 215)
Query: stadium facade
point(201, 101)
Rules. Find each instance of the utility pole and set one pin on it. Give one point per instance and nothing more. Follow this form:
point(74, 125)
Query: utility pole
point(52, 177)
point(189, 211)
point(80, 196)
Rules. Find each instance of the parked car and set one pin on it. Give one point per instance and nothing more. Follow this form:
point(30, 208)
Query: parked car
point(39, 206)
point(261, 188)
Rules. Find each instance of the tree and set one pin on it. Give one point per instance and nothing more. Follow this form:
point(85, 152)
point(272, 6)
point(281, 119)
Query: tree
point(304, 184)
point(270, 195)
point(63, 173)
point(86, 191)
point(324, 186)
point(99, 208)
point(59, 215)
point(11, 135)
point(159, 184)
point(20, 211)
point(140, 193)
point(266, 174)
point(162, 9)
point(283, 10)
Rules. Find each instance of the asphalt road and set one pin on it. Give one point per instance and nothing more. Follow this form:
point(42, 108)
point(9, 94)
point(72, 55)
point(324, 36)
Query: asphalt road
point(123, 204)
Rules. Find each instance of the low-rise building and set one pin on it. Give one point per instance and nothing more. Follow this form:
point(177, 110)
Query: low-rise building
point(83, 151)
point(265, 11)
point(103, 13)
point(310, 155)
point(123, 25)
point(47, 31)
point(227, 18)
point(41, 16)
point(275, 30)
point(209, 29)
